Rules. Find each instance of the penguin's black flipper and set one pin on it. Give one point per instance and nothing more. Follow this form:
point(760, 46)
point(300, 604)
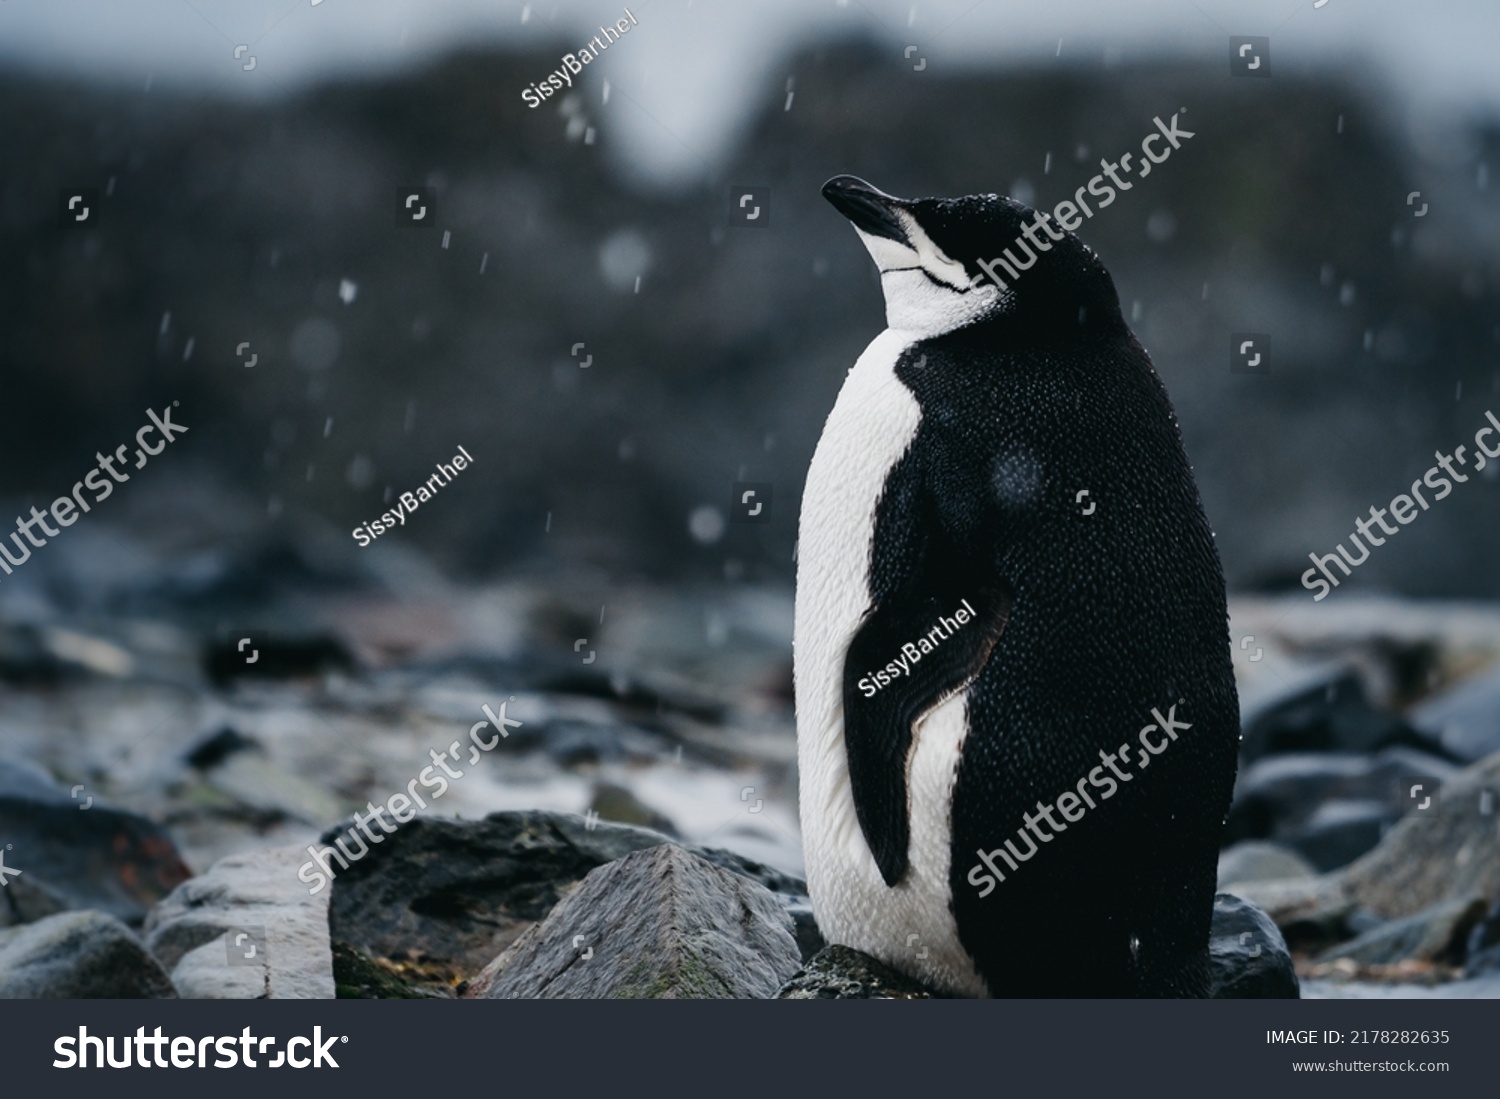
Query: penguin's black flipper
point(878, 718)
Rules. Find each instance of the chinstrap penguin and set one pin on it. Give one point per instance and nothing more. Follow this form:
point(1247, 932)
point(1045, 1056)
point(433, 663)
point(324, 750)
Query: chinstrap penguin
point(1004, 578)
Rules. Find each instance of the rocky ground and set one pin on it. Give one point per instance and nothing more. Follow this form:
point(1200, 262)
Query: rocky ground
point(161, 779)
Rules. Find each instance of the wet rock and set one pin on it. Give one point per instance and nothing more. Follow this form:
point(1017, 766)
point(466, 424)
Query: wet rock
point(78, 955)
point(248, 928)
point(1437, 934)
point(1247, 955)
point(26, 659)
point(76, 853)
point(1311, 913)
point(841, 973)
point(276, 657)
point(1483, 948)
point(442, 898)
point(1466, 719)
point(1426, 859)
point(357, 976)
point(1340, 831)
point(657, 924)
point(214, 749)
point(805, 926)
point(1260, 860)
point(1278, 794)
point(1331, 716)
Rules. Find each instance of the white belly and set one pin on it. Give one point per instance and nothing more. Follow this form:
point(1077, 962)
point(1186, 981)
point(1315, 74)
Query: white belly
point(909, 926)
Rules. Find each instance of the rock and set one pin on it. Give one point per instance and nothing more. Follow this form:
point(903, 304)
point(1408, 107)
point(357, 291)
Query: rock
point(1247, 955)
point(1483, 947)
point(1310, 912)
point(660, 923)
point(1466, 719)
point(357, 976)
point(1278, 794)
point(1448, 854)
point(214, 749)
point(1332, 716)
point(1259, 860)
point(76, 853)
point(77, 956)
point(809, 937)
point(840, 973)
point(276, 657)
point(285, 952)
point(1340, 831)
point(442, 898)
point(1424, 859)
point(1436, 934)
point(1482, 988)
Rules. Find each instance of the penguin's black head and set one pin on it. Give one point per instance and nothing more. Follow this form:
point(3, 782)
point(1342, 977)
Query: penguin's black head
point(946, 263)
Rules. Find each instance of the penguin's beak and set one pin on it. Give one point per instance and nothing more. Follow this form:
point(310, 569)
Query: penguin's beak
point(872, 211)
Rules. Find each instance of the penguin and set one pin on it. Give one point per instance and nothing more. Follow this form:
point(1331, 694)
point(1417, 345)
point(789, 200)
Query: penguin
point(1016, 712)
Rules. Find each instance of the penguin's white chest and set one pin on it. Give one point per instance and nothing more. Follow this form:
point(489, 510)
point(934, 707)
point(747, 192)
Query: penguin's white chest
point(910, 926)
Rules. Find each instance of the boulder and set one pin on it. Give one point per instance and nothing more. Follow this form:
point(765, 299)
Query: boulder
point(77, 853)
point(77, 956)
point(661, 923)
point(246, 929)
point(1278, 794)
point(840, 973)
point(1333, 715)
point(1448, 854)
point(1436, 934)
point(1248, 957)
point(439, 899)
point(1464, 720)
point(1260, 860)
point(1340, 831)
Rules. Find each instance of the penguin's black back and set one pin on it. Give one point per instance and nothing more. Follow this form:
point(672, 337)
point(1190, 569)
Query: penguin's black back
point(1105, 616)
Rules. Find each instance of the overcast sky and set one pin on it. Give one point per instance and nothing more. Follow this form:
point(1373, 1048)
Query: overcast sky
point(692, 71)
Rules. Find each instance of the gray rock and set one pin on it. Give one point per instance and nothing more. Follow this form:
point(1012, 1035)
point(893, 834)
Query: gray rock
point(657, 924)
point(76, 956)
point(1483, 948)
point(1436, 934)
point(247, 929)
point(1481, 988)
point(839, 973)
point(1334, 715)
point(442, 898)
point(77, 857)
point(1340, 831)
point(1247, 955)
point(1261, 860)
point(1429, 858)
point(1277, 795)
point(1424, 860)
point(1466, 719)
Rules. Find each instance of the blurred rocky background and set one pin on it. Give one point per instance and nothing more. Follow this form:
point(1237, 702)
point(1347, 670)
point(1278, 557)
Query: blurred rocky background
point(207, 673)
